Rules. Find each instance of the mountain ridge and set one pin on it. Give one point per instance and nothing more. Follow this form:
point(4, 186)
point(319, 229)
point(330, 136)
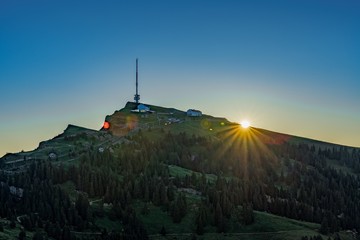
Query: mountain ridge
point(165, 172)
point(131, 105)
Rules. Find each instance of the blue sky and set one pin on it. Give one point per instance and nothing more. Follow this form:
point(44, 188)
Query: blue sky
point(288, 66)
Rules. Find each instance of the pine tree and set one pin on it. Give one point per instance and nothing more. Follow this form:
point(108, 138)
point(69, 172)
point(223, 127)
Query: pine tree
point(248, 214)
point(66, 234)
point(200, 220)
point(170, 192)
point(82, 205)
point(156, 196)
point(324, 228)
point(163, 231)
point(337, 236)
point(147, 193)
point(38, 236)
point(58, 232)
point(22, 235)
point(163, 195)
point(219, 219)
point(145, 209)
point(175, 212)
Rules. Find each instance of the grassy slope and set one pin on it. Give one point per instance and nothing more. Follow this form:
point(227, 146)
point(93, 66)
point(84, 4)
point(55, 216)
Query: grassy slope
point(74, 139)
point(9, 233)
point(266, 225)
point(182, 172)
point(105, 222)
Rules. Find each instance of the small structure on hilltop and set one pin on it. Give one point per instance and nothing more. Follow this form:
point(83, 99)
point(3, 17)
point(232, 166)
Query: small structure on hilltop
point(193, 113)
point(142, 108)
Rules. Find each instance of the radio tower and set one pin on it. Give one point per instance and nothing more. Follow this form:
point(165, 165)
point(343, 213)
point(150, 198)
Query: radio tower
point(137, 96)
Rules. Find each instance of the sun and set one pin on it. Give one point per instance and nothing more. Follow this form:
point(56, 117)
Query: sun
point(245, 124)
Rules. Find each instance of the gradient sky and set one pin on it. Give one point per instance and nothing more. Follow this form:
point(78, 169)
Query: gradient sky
point(290, 66)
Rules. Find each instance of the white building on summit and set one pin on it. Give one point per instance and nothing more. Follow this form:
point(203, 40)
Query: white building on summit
point(193, 113)
point(141, 108)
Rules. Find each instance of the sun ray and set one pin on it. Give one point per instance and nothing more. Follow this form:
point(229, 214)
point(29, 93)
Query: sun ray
point(253, 148)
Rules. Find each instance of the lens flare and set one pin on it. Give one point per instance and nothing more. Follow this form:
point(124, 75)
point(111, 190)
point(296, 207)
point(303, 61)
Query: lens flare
point(106, 125)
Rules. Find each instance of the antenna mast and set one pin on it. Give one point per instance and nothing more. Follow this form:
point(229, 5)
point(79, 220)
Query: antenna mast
point(137, 96)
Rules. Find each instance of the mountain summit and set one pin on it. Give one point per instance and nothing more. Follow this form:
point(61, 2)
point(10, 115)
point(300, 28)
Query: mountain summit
point(156, 172)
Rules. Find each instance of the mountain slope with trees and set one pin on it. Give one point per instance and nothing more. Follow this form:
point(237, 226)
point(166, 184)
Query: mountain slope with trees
point(194, 178)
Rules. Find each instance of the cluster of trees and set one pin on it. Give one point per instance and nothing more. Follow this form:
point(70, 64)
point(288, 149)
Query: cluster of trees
point(319, 237)
point(292, 180)
point(306, 188)
point(44, 204)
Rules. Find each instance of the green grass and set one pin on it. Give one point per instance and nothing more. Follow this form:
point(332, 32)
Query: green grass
point(201, 126)
point(290, 235)
point(267, 226)
point(269, 222)
point(182, 172)
point(105, 222)
point(9, 233)
point(295, 235)
point(344, 235)
point(157, 218)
